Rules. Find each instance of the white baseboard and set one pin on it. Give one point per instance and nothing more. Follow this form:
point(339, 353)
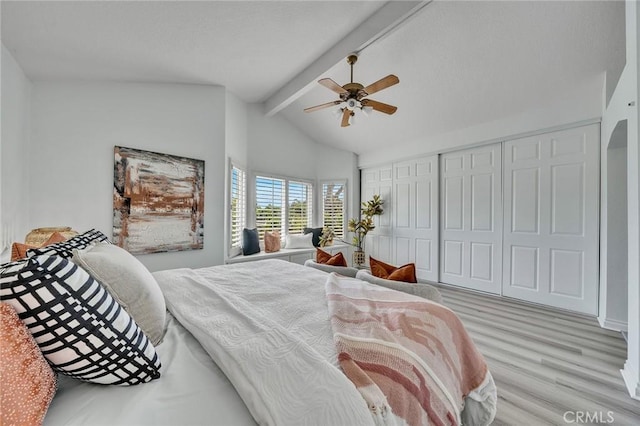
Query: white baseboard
point(632, 380)
point(612, 324)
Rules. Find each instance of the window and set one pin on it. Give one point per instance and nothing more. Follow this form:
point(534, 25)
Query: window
point(300, 206)
point(333, 207)
point(238, 200)
point(283, 205)
point(270, 205)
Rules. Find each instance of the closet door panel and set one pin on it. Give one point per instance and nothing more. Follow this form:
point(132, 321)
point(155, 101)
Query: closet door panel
point(379, 242)
point(425, 257)
point(471, 208)
point(415, 232)
point(424, 204)
point(551, 219)
point(525, 210)
point(453, 203)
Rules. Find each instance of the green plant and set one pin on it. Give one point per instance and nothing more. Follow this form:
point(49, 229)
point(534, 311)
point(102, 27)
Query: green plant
point(361, 227)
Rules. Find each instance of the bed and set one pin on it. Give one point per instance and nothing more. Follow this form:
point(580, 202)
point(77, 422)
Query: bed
point(255, 343)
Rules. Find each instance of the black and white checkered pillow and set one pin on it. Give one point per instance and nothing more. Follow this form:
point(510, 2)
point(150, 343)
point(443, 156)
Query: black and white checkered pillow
point(65, 248)
point(80, 329)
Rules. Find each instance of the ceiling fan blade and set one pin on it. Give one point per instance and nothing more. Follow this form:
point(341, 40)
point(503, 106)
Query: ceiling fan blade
point(345, 118)
point(383, 83)
point(332, 85)
point(317, 107)
point(379, 106)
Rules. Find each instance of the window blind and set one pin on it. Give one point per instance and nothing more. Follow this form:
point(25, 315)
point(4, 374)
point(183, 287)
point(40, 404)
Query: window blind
point(270, 205)
point(300, 206)
point(333, 207)
point(238, 205)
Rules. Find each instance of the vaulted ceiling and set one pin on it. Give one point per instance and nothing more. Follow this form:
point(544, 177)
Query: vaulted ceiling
point(460, 63)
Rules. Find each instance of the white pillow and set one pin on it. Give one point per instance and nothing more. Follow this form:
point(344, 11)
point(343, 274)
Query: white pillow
point(129, 282)
point(299, 241)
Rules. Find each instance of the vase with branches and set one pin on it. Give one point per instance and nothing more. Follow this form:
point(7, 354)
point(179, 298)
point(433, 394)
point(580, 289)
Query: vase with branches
point(361, 227)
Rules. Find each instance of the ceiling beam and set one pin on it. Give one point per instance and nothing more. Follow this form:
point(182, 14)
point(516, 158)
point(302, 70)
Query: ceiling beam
point(382, 22)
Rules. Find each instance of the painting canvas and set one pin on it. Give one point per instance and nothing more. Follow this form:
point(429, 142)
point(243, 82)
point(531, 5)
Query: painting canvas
point(158, 201)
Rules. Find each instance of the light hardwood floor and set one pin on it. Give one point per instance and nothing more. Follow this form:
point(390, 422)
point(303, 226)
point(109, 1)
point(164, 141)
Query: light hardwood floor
point(547, 362)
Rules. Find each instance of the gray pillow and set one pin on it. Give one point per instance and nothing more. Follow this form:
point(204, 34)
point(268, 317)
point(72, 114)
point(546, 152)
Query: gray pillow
point(424, 290)
point(346, 271)
point(129, 282)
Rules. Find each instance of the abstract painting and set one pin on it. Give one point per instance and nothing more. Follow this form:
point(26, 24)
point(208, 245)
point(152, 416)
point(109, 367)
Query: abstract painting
point(158, 201)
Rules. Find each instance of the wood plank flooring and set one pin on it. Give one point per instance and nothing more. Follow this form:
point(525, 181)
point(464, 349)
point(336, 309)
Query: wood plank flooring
point(547, 362)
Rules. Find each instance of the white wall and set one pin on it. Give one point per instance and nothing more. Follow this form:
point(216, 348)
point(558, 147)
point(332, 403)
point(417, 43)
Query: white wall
point(631, 90)
point(63, 174)
point(618, 232)
point(582, 102)
point(236, 129)
point(14, 162)
point(74, 129)
point(236, 140)
point(613, 241)
point(615, 125)
point(336, 164)
point(276, 147)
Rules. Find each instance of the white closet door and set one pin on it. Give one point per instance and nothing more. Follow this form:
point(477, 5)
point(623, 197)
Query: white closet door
point(471, 218)
point(551, 219)
point(415, 215)
point(379, 242)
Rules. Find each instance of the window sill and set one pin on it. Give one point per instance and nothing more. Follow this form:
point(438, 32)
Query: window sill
point(291, 255)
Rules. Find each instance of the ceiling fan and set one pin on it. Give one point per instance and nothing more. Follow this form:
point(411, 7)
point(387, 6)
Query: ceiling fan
point(353, 96)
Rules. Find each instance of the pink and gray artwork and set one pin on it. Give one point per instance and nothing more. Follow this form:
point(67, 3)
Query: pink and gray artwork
point(158, 201)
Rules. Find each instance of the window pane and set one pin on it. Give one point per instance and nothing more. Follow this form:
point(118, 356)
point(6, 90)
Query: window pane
point(270, 205)
point(300, 207)
point(333, 207)
point(238, 203)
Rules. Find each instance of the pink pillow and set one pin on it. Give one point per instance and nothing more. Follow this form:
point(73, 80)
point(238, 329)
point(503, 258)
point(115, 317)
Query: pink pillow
point(271, 241)
point(28, 383)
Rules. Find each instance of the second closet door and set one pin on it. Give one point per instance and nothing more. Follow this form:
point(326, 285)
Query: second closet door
point(471, 218)
point(551, 219)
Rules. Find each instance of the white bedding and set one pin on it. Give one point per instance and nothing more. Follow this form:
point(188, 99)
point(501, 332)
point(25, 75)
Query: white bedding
point(191, 391)
point(267, 326)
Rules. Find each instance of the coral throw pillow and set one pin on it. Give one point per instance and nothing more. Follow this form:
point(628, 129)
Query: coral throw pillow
point(28, 383)
point(405, 273)
point(271, 241)
point(327, 259)
point(19, 250)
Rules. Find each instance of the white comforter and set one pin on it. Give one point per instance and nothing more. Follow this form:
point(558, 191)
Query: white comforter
point(268, 329)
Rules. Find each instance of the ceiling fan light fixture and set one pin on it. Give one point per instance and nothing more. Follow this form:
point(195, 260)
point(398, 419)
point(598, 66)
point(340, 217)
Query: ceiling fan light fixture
point(352, 104)
point(367, 110)
point(352, 118)
point(354, 96)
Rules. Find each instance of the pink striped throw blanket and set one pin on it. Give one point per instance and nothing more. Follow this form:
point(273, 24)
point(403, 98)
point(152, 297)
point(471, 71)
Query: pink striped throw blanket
point(409, 357)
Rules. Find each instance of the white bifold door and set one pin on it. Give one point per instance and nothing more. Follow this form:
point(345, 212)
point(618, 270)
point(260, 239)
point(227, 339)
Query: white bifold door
point(415, 215)
point(471, 218)
point(379, 242)
point(551, 190)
